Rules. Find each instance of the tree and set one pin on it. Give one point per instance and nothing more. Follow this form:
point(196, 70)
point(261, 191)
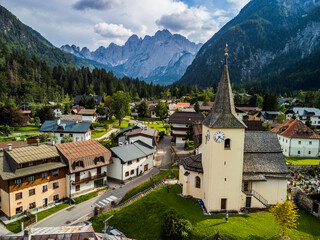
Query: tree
point(197, 107)
point(46, 137)
point(143, 109)
point(37, 121)
point(162, 110)
point(270, 102)
point(174, 226)
point(66, 139)
point(91, 103)
point(83, 101)
point(12, 117)
point(120, 105)
point(45, 113)
point(281, 118)
point(256, 101)
point(308, 123)
point(5, 130)
point(101, 110)
point(294, 116)
point(285, 215)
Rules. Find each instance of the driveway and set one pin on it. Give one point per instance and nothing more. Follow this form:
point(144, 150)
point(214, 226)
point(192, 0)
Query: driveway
point(3, 230)
point(73, 213)
point(163, 155)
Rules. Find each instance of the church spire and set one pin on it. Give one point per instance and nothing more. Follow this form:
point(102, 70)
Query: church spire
point(223, 114)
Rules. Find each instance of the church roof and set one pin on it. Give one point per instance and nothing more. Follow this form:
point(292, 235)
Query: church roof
point(262, 158)
point(223, 114)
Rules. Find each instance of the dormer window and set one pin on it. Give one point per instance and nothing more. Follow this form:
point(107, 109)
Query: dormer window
point(31, 164)
point(227, 143)
point(79, 164)
point(99, 159)
point(20, 166)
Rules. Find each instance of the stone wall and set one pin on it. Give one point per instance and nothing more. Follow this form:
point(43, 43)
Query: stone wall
point(304, 201)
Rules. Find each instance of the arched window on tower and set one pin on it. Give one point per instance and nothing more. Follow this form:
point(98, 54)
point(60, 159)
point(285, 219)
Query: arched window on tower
point(198, 182)
point(227, 143)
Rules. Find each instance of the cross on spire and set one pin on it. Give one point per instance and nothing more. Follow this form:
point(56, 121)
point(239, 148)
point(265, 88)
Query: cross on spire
point(226, 53)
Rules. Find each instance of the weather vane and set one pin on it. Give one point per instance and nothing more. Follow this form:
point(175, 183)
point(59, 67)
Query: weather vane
point(226, 53)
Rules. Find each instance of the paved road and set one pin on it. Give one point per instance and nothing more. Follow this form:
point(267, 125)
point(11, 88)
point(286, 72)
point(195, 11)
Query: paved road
point(3, 230)
point(163, 156)
point(108, 134)
point(69, 215)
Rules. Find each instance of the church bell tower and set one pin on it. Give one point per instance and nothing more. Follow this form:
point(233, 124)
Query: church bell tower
point(222, 151)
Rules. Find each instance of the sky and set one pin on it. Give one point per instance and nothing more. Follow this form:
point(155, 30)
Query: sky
point(95, 23)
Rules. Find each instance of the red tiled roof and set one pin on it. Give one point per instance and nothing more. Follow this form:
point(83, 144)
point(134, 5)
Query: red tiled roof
point(295, 129)
point(13, 144)
point(183, 104)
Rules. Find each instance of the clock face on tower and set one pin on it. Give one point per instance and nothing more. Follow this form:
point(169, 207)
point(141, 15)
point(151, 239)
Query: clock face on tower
point(219, 137)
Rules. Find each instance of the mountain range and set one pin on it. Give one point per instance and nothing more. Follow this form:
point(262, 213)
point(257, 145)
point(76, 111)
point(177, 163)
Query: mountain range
point(162, 58)
point(267, 39)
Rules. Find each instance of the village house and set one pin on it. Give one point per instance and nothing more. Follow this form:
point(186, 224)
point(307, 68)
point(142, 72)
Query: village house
point(297, 140)
point(147, 135)
point(269, 116)
point(57, 112)
point(130, 160)
point(88, 115)
point(31, 178)
point(79, 131)
point(180, 123)
point(236, 169)
point(87, 165)
point(304, 114)
point(76, 109)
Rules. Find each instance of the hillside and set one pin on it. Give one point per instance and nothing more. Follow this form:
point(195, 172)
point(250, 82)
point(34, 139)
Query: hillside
point(266, 37)
point(162, 58)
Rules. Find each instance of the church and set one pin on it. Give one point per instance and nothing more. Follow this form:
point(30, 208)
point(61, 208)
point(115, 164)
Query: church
point(235, 169)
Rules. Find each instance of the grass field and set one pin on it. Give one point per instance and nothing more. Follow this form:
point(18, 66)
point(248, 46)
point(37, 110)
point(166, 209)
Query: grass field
point(17, 138)
point(99, 133)
point(302, 161)
point(142, 220)
point(15, 227)
point(27, 128)
point(88, 196)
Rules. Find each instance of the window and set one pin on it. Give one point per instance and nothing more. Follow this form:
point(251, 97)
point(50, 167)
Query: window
point(44, 175)
point(131, 172)
point(19, 210)
point(227, 143)
point(55, 173)
point(17, 181)
point(299, 142)
point(31, 164)
point(20, 166)
point(287, 141)
point(44, 160)
point(77, 188)
point(79, 164)
point(32, 205)
point(310, 142)
point(61, 134)
point(18, 195)
point(55, 185)
point(70, 135)
point(138, 160)
point(32, 192)
point(44, 188)
point(298, 152)
point(56, 197)
point(198, 182)
point(309, 152)
point(126, 174)
point(31, 178)
point(129, 163)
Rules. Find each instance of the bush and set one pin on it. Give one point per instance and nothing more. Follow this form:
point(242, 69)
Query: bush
point(174, 226)
point(162, 134)
point(189, 145)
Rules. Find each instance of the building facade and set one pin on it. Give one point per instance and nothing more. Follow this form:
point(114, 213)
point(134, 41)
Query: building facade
point(87, 166)
point(303, 114)
point(298, 140)
point(31, 178)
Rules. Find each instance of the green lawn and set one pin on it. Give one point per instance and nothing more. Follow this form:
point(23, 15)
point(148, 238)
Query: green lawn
point(15, 227)
point(99, 133)
point(27, 128)
point(17, 138)
point(302, 161)
point(143, 186)
point(142, 220)
point(88, 196)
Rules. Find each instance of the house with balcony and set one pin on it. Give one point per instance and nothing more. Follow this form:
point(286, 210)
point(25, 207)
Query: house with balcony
point(303, 114)
point(87, 166)
point(79, 131)
point(147, 135)
point(32, 178)
point(130, 160)
point(297, 140)
point(180, 123)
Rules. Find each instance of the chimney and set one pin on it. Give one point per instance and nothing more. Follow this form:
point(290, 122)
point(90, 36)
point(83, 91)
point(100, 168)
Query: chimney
point(59, 121)
point(38, 141)
point(9, 146)
point(27, 234)
point(77, 121)
point(25, 139)
point(53, 142)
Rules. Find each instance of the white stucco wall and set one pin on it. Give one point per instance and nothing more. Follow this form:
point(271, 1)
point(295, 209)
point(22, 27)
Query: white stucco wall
point(144, 139)
point(189, 183)
point(77, 137)
point(115, 169)
point(89, 118)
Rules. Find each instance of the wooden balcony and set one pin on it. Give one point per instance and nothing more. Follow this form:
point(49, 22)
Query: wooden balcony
point(90, 178)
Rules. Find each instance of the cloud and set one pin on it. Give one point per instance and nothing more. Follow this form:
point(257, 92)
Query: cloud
point(112, 30)
point(92, 4)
